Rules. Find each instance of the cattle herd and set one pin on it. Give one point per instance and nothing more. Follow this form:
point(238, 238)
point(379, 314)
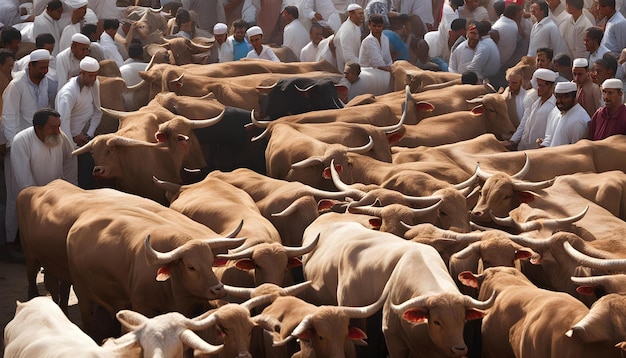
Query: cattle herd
point(246, 211)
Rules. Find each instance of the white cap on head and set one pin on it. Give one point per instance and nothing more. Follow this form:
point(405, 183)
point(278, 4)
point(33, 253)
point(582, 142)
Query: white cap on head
point(565, 87)
point(352, 7)
point(81, 39)
point(580, 62)
point(40, 55)
point(254, 30)
point(89, 64)
point(545, 74)
point(76, 4)
point(220, 29)
point(613, 83)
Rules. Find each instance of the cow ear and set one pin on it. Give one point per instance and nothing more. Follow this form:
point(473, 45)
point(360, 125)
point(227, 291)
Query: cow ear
point(326, 174)
point(163, 273)
point(376, 223)
point(526, 197)
point(306, 335)
point(422, 106)
point(523, 254)
point(469, 279)
point(478, 110)
point(356, 334)
point(219, 262)
point(395, 137)
point(586, 290)
point(473, 314)
point(341, 90)
point(415, 315)
point(161, 137)
point(294, 262)
point(325, 204)
point(245, 264)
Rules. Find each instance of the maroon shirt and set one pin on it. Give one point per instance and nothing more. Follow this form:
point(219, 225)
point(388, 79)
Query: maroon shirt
point(605, 125)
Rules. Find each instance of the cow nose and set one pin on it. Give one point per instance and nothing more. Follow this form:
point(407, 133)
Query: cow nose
point(218, 290)
point(459, 350)
point(98, 171)
point(477, 213)
point(244, 355)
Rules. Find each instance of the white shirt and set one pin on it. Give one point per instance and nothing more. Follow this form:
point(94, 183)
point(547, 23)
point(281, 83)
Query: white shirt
point(105, 9)
point(571, 126)
point(447, 16)
point(545, 33)
point(295, 36)
point(249, 10)
point(509, 31)
point(309, 52)
point(479, 14)
point(9, 12)
point(130, 71)
point(533, 124)
point(597, 54)
point(559, 14)
point(78, 107)
point(421, 8)
point(519, 102)
point(266, 54)
point(347, 43)
point(461, 57)
point(35, 164)
point(326, 8)
point(486, 61)
point(615, 33)
point(573, 33)
point(71, 29)
point(43, 24)
point(68, 66)
point(373, 53)
point(324, 52)
point(109, 49)
point(226, 50)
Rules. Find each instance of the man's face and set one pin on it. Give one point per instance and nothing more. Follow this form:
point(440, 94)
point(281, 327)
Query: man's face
point(376, 29)
point(454, 35)
point(37, 70)
point(612, 98)
point(239, 34)
point(472, 37)
point(349, 75)
point(544, 88)
point(564, 101)
point(51, 132)
point(553, 3)
point(515, 83)
point(49, 47)
point(55, 14)
point(286, 18)
point(357, 16)
point(542, 60)
point(471, 5)
point(256, 41)
point(88, 78)
point(79, 50)
point(316, 35)
point(7, 66)
point(13, 45)
point(590, 44)
point(220, 38)
point(579, 75)
point(536, 11)
point(599, 74)
point(605, 11)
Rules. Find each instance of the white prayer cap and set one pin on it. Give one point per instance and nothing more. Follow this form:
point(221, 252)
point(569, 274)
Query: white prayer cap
point(40, 55)
point(565, 87)
point(580, 62)
point(220, 29)
point(81, 39)
point(76, 4)
point(89, 64)
point(254, 30)
point(352, 7)
point(545, 74)
point(613, 83)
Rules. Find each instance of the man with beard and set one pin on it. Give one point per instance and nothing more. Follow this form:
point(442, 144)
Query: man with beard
point(610, 119)
point(568, 122)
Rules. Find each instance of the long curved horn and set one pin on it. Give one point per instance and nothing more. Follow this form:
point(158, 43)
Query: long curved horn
point(333, 194)
point(84, 149)
point(535, 244)
point(481, 305)
point(131, 320)
point(156, 10)
point(225, 242)
point(364, 312)
point(203, 123)
point(471, 180)
point(419, 301)
point(299, 251)
point(257, 301)
point(397, 126)
point(161, 258)
point(235, 232)
point(594, 262)
point(363, 149)
point(292, 208)
point(611, 283)
point(540, 223)
point(339, 183)
point(246, 292)
point(467, 238)
point(192, 340)
point(366, 210)
point(474, 100)
point(260, 136)
point(115, 113)
point(179, 78)
point(304, 89)
point(521, 186)
point(267, 87)
point(242, 292)
point(119, 141)
point(522, 172)
point(468, 252)
point(140, 84)
point(307, 163)
point(201, 46)
point(166, 185)
point(243, 254)
point(258, 124)
point(481, 173)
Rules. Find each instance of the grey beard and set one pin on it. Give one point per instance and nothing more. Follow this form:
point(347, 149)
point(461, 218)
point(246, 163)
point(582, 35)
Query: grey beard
point(53, 141)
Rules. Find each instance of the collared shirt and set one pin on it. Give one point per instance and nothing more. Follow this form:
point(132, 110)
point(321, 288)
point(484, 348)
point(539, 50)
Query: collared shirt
point(589, 96)
point(240, 49)
point(533, 124)
point(461, 57)
point(597, 54)
point(545, 33)
point(295, 37)
point(79, 107)
point(347, 42)
point(266, 54)
point(486, 61)
point(566, 128)
point(68, 66)
point(508, 30)
point(573, 33)
point(615, 33)
point(374, 53)
point(603, 124)
point(109, 49)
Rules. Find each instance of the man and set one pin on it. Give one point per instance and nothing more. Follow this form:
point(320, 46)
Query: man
point(471, 11)
point(355, 85)
point(185, 24)
point(486, 61)
point(107, 41)
point(249, 11)
point(615, 29)
point(210, 12)
point(68, 60)
point(573, 29)
point(397, 35)
point(514, 95)
point(557, 11)
point(508, 29)
point(347, 39)
point(322, 10)
point(544, 33)
point(24, 96)
point(589, 94)
point(48, 22)
point(610, 119)
point(603, 69)
point(442, 46)
point(309, 52)
point(236, 43)
point(7, 59)
point(374, 51)
point(42, 41)
point(10, 38)
point(562, 64)
point(95, 49)
point(592, 40)
point(79, 9)
point(544, 57)
point(568, 123)
point(533, 124)
point(224, 48)
point(422, 9)
point(295, 35)
point(255, 35)
point(134, 64)
point(463, 55)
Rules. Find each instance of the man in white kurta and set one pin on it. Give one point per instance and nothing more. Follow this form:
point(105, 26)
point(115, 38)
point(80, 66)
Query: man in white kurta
point(68, 60)
point(79, 10)
point(309, 52)
point(263, 52)
point(421, 8)
point(295, 36)
point(347, 39)
point(321, 10)
point(374, 51)
point(25, 95)
point(109, 48)
point(615, 29)
point(463, 55)
point(544, 33)
point(568, 122)
point(508, 29)
point(486, 61)
point(48, 22)
point(573, 29)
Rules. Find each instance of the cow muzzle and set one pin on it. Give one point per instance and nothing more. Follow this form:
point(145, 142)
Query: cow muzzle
point(218, 290)
point(459, 350)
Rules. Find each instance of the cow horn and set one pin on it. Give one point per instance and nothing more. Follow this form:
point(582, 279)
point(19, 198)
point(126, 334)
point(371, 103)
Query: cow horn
point(267, 87)
point(161, 258)
point(258, 124)
point(307, 163)
point(522, 172)
point(203, 123)
point(236, 231)
point(166, 185)
point(149, 66)
point(606, 281)
point(474, 100)
point(119, 141)
point(534, 244)
point(179, 78)
point(260, 136)
point(364, 312)
point(242, 292)
point(333, 194)
point(203, 321)
point(305, 324)
point(84, 149)
point(419, 301)
point(258, 301)
point(469, 251)
point(304, 89)
point(340, 184)
point(366, 210)
point(481, 305)
point(192, 340)
point(471, 180)
point(422, 200)
point(299, 251)
point(538, 224)
point(115, 113)
point(292, 208)
point(246, 292)
point(594, 262)
point(243, 254)
point(466, 238)
point(131, 320)
point(225, 242)
point(475, 226)
point(138, 85)
point(363, 149)
point(481, 173)
point(395, 127)
point(156, 10)
point(201, 46)
point(521, 186)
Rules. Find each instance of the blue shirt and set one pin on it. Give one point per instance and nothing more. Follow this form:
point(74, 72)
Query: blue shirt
point(397, 45)
point(241, 49)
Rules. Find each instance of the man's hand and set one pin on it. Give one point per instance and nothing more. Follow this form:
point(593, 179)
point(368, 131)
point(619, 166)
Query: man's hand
point(317, 17)
point(81, 139)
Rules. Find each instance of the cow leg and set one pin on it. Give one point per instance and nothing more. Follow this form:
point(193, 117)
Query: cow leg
point(64, 295)
point(32, 269)
point(52, 285)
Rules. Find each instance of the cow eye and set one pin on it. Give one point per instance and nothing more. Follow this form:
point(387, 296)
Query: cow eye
point(437, 323)
point(191, 268)
point(507, 197)
point(443, 213)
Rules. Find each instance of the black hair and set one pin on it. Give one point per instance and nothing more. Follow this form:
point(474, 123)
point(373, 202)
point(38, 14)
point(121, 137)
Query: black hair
point(111, 24)
point(40, 118)
point(44, 39)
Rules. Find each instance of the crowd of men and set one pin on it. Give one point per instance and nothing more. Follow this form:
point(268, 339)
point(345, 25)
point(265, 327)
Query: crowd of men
point(577, 89)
